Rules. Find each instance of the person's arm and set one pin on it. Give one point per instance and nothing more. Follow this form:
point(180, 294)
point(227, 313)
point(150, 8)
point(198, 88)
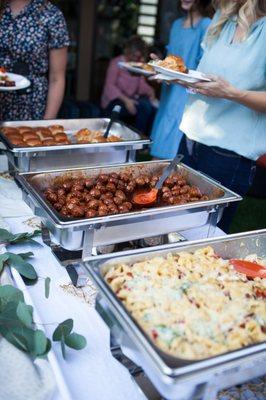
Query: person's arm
point(221, 88)
point(57, 75)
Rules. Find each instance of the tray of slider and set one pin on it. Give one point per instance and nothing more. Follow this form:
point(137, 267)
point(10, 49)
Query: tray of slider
point(184, 314)
point(89, 207)
point(58, 144)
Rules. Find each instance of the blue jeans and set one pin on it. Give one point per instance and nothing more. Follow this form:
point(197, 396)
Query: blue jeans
point(230, 169)
point(144, 117)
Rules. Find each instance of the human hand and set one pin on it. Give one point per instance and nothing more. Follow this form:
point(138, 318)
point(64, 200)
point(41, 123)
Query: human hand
point(217, 87)
point(154, 57)
point(130, 105)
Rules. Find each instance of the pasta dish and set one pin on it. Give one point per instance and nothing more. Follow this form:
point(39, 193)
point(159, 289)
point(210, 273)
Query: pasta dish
point(192, 306)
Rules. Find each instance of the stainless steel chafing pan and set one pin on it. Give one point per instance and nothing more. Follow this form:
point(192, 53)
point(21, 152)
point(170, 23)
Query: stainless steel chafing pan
point(84, 233)
point(174, 378)
point(75, 155)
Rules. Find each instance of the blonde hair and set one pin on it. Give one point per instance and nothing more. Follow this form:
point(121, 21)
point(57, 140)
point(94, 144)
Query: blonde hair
point(246, 14)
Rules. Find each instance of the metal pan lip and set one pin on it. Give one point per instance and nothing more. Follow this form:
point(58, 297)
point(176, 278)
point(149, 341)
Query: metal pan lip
point(61, 222)
point(141, 140)
point(140, 338)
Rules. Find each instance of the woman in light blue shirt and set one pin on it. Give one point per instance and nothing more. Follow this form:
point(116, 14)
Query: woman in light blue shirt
point(227, 116)
point(185, 39)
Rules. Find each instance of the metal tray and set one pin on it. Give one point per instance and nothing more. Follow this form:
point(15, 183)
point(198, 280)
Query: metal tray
point(33, 159)
point(179, 379)
point(76, 234)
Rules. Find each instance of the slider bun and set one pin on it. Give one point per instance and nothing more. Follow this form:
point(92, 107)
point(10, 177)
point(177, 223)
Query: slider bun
point(56, 129)
point(45, 135)
point(49, 142)
point(34, 142)
point(14, 136)
point(30, 135)
point(19, 142)
point(63, 142)
point(60, 136)
point(10, 131)
point(23, 129)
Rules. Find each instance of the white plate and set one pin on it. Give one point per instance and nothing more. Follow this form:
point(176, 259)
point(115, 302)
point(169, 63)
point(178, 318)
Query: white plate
point(192, 76)
point(20, 81)
point(133, 68)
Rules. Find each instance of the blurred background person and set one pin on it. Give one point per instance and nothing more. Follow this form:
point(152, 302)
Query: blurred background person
point(130, 91)
point(33, 43)
point(226, 118)
point(185, 40)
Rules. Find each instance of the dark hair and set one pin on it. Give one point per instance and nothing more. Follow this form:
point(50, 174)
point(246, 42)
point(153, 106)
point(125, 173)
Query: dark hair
point(136, 43)
point(4, 2)
point(204, 7)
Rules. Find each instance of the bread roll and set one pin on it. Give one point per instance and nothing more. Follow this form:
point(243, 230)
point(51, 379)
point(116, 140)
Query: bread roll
point(24, 129)
point(49, 142)
point(56, 129)
point(15, 136)
point(34, 142)
point(60, 136)
point(9, 130)
point(19, 142)
point(30, 135)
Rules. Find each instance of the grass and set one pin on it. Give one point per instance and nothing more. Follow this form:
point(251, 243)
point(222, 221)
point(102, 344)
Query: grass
point(250, 215)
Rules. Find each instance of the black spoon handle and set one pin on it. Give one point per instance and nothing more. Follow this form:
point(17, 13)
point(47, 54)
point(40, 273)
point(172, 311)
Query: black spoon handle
point(115, 113)
point(167, 171)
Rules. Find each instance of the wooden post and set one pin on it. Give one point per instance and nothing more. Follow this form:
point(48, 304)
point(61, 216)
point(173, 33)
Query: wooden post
point(85, 48)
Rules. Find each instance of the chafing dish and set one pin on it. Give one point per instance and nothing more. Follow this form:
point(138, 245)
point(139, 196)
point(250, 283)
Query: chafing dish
point(76, 155)
point(175, 378)
point(76, 234)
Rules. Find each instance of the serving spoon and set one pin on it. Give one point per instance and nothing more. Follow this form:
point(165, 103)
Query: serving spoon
point(114, 116)
point(150, 196)
point(250, 269)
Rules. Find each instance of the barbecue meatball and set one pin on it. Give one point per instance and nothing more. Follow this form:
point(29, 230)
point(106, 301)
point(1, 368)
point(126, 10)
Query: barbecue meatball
point(58, 206)
point(110, 187)
point(108, 202)
point(113, 209)
point(95, 193)
point(78, 211)
point(130, 187)
point(89, 183)
point(91, 214)
point(143, 180)
point(78, 186)
point(184, 189)
point(122, 208)
point(113, 180)
point(118, 201)
point(67, 186)
point(103, 210)
point(61, 192)
point(93, 204)
point(103, 178)
point(194, 192)
point(51, 196)
point(121, 185)
point(120, 194)
point(64, 212)
point(125, 177)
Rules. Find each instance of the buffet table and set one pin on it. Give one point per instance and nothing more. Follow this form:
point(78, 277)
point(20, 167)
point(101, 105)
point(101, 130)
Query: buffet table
point(93, 372)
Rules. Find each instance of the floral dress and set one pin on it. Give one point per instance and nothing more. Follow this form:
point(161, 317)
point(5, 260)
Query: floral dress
point(25, 42)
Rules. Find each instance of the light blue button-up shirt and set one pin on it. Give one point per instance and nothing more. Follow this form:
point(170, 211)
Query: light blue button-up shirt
point(224, 123)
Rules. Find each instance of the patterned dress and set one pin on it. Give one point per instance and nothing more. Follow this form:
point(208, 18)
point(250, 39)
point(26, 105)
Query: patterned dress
point(25, 42)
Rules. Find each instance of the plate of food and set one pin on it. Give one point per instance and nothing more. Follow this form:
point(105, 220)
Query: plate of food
point(137, 68)
point(174, 67)
point(10, 82)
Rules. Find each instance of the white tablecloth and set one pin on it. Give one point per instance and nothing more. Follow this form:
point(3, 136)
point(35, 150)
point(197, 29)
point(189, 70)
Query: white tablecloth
point(91, 373)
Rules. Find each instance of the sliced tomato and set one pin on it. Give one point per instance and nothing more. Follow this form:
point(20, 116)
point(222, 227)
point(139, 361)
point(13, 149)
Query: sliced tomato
point(250, 269)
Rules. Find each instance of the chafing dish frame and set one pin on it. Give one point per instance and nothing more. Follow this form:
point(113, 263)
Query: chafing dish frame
point(27, 159)
point(85, 234)
point(175, 378)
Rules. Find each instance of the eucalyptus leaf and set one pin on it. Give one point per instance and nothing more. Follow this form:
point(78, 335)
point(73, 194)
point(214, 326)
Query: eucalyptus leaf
point(17, 340)
point(3, 259)
point(23, 268)
point(9, 293)
point(25, 256)
point(75, 341)
point(40, 343)
point(5, 236)
point(25, 314)
point(63, 329)
point(47, 287)
point(63, 347)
